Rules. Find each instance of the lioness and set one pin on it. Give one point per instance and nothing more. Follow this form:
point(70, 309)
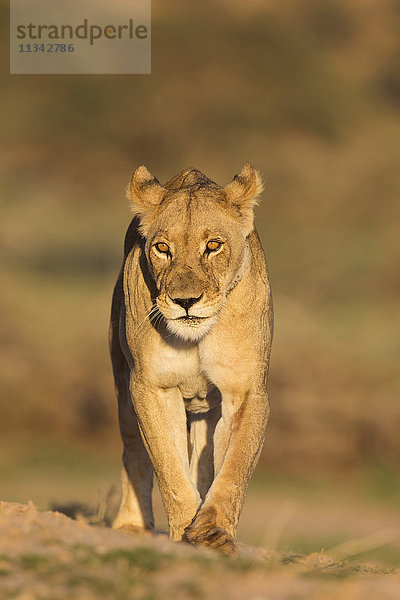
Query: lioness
point(190, 339)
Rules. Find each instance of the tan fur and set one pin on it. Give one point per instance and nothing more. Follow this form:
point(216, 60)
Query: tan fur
point(203, 366)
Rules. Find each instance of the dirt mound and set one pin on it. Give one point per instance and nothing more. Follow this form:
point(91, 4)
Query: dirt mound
point(48, 556)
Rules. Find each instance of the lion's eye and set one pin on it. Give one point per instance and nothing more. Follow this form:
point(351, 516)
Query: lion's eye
point(213, 245)
point(162, 247)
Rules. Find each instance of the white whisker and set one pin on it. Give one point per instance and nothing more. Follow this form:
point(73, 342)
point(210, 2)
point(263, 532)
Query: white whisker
point(148, 316)
point(156, 318)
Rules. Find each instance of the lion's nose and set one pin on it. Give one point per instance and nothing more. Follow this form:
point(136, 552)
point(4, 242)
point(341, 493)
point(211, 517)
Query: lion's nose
point(186, 303)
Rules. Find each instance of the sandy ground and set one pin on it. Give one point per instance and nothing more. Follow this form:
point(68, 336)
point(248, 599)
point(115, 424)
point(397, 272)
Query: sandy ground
point(47, 556)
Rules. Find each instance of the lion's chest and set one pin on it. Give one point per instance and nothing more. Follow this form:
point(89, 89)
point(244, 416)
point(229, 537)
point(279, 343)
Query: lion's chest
point(179, 367)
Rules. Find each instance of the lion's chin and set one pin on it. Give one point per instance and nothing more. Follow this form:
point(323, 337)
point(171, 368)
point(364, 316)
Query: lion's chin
point(191, 329)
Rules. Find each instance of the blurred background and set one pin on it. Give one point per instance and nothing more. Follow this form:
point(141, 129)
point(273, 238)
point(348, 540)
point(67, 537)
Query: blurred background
point(308, 91)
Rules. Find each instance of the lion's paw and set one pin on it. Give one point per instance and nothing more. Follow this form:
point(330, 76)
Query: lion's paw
point(210, 535)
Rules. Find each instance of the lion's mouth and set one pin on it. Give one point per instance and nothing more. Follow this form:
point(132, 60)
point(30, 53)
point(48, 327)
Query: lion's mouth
point(190, 320)
point(190, 327)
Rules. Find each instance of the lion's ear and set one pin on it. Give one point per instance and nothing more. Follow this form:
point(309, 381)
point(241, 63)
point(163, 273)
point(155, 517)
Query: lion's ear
point(145, 194)
point(242, 193)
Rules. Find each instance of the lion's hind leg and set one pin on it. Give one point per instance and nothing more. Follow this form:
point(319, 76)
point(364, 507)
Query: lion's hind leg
point(202, 428)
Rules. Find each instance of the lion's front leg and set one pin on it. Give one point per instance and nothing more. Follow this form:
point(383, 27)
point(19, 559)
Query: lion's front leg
point(238, 441)
point(162, 421)
point(135, 512)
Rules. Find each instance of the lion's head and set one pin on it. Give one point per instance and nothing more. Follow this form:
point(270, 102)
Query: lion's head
point(195, 242)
